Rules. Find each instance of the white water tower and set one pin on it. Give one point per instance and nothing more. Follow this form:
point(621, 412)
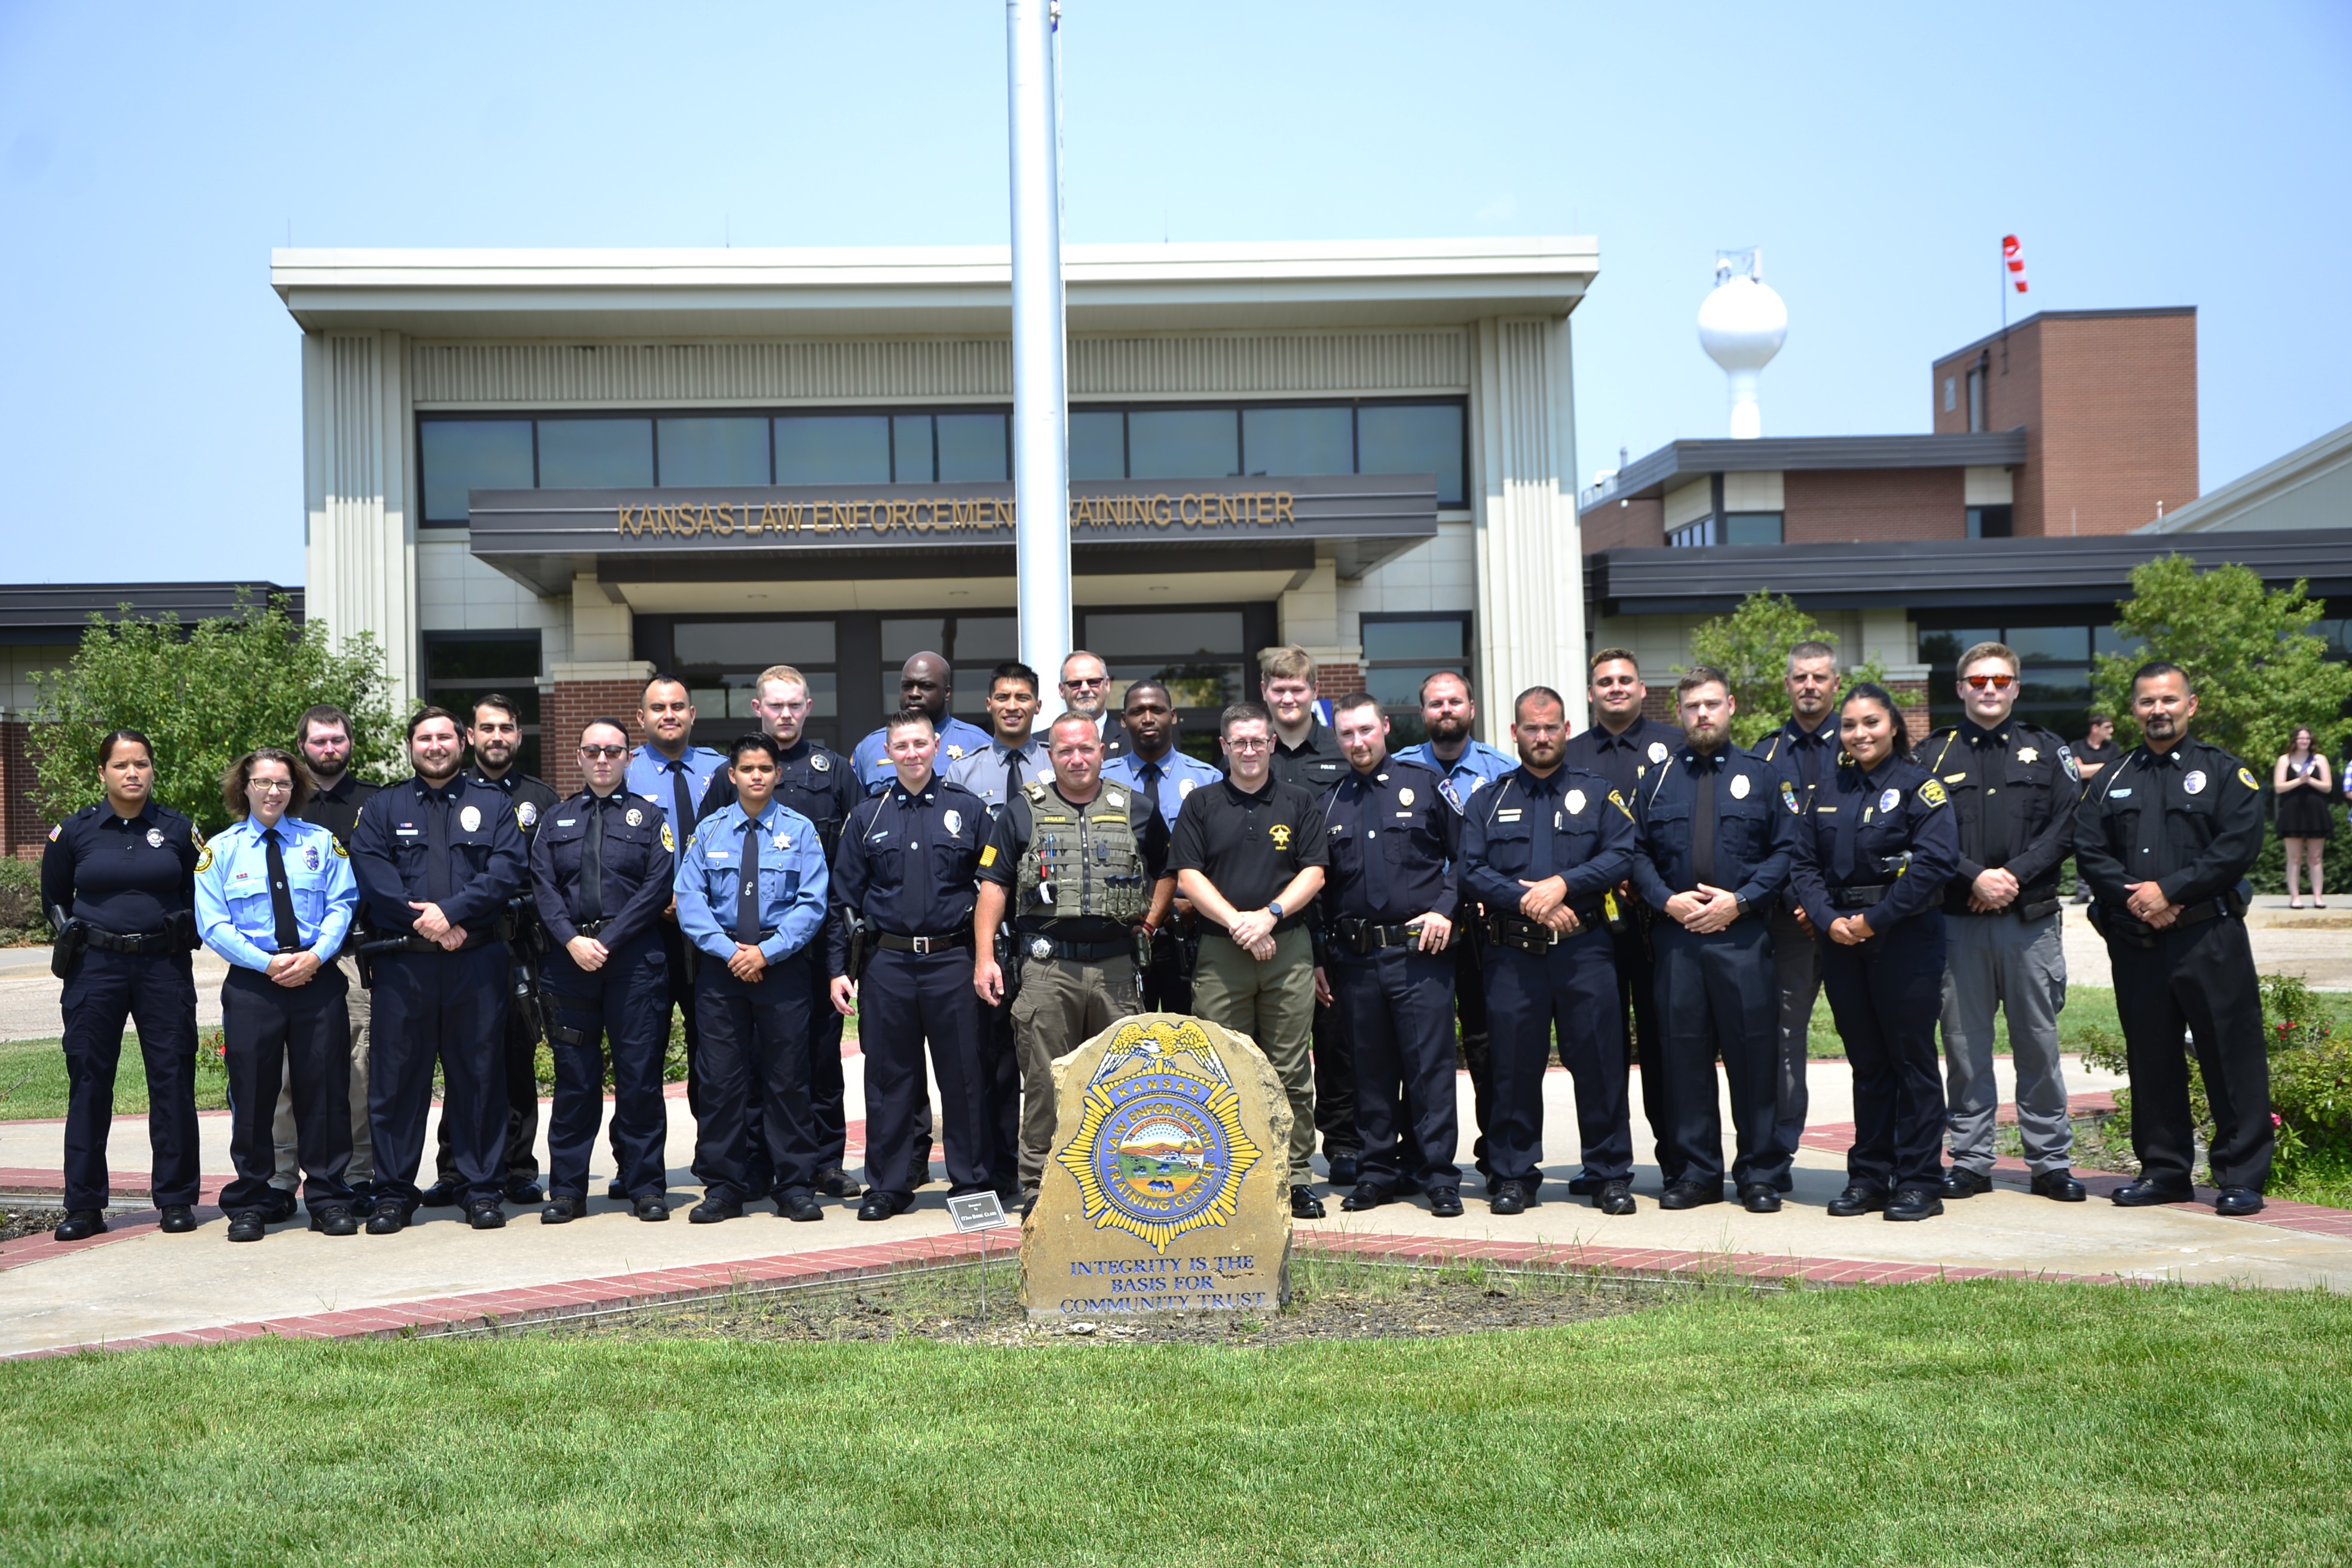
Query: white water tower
point(1741, 325)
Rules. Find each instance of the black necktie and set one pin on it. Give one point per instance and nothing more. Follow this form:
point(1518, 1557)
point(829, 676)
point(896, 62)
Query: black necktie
point(1703, 820)
point(591, 864)
point(1376, 870)
point(1849, 822)
point(282, 896)
point(1540, 844)
point(1012, 776)
point(683, 799)
point(746, 893)
point(2148, 862)
point(1149, 772)
point(1809, 752)
point(437, 883)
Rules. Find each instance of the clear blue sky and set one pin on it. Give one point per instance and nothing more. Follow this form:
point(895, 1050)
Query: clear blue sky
point(2149, 154)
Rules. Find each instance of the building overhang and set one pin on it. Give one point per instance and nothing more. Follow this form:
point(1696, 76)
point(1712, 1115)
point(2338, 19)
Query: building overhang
point(1678, 462)
point(36, 613)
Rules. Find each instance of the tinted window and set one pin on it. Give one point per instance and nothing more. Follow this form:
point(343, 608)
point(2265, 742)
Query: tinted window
point(972, 449)
point(1098, 445)
point(462, 455)
point(1299, 440)
point(833, 450)
point(714, 452)
point(756, 643)
point(1409, 438)
point(1182, 444)
point(596, 454)
point(1172, 633)
point(1751, 528)
point(1436, 640)
point(911, 448)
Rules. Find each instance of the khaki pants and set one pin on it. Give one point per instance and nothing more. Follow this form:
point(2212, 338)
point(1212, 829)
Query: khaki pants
point(1273, 1004)
point(1062, 1005)
point(281, 1126)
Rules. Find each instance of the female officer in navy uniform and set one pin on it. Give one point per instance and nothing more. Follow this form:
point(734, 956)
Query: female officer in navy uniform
point(124, 871)
point(1872, 859)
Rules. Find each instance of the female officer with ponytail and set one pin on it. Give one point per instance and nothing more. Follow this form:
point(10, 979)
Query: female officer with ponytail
point(1874, 848)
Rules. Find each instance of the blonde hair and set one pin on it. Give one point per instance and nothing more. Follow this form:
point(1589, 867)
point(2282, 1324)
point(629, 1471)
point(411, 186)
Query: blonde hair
point(1288, 662)
point(783, 672)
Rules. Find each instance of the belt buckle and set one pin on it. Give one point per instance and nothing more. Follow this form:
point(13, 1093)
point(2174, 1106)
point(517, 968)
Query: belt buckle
point(1041, 948)
point(922, 947)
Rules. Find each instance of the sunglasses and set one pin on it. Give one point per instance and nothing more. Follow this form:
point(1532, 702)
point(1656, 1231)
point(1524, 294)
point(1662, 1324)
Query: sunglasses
point(594, 753)
point(1998, 682)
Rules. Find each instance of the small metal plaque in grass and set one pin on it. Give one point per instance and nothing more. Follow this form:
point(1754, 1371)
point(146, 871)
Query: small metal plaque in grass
point(977, 1211)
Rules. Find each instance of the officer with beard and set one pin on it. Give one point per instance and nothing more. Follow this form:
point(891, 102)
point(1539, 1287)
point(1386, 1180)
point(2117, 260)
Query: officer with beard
point(1803, 752)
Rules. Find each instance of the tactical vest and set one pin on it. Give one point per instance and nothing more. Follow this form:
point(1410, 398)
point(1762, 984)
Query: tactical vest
point(1081, 860)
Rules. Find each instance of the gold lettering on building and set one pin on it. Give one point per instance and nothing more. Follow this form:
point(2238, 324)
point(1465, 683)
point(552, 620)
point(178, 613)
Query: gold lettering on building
point(983, 515)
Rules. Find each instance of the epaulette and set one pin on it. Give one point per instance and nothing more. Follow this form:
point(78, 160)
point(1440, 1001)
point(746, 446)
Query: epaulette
point(1034, 791)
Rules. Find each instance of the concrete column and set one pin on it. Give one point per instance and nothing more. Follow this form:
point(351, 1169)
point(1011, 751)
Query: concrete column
point(1530, 550)
point(358, 458)
point(1310, 616)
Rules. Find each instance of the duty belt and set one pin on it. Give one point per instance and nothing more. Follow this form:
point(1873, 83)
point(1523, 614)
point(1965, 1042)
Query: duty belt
point(923, 944)
point(2140, 934)
point(1859, 898)
point(1363, 938)
point(590, 928)
point(1045, 949)
point(146, 946)
point(1519, 932)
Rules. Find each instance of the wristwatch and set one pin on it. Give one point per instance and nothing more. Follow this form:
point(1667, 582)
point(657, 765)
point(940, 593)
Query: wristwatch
point(1274, 907)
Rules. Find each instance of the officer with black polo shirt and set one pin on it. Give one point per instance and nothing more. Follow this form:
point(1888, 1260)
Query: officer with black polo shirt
point(1394, 840)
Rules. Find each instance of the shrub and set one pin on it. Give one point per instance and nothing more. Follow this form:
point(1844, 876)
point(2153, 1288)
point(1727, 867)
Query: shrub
point(21, 916)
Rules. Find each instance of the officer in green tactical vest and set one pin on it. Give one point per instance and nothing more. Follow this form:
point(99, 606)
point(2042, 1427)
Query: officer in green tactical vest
point(1079, 869)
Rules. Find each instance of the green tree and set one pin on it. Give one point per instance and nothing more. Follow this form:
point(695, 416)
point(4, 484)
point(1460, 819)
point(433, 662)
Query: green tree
point(1751, 645)
point(204, 695)
point(2258, 669)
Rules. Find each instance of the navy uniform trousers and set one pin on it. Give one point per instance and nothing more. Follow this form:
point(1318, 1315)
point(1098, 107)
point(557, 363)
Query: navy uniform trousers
point(1886, 996)
point(1720, 993)
point(159, 993)
point(1637, 993)
point(274, 1032)
point(449, 1007)
point(625, 1005)
point(1573, 985)
point(754, 1051)
point(827, 1118)
point(518, 1091)
point(2199, 979)
point(905, 997)
point(1397, 1008)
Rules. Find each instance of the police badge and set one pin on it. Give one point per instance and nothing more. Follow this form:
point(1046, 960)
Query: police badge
point(1740, 786)
point(155, 838)
point(820, 762)
point(952, 820)
point(470, 818)
point(1657, 751)
point(1405, 796)
point(526, 813)
point(311, 858)
point(633, 817)
point(2194, 782)
point(1575, 802)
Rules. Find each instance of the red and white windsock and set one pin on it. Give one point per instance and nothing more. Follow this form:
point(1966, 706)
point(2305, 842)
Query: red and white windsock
point(2013, 257)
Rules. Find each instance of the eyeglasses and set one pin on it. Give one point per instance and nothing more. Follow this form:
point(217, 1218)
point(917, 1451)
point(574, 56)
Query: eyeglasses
point(1246, 743)
point(269, 786)
point(1998, 682)
point(595, 753)
point(1088, 680)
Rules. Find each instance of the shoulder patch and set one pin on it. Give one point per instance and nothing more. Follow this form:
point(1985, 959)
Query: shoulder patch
point(205, 861)
point(988, 855)
point(2066, 760)
point(1931, 794)
point(670, 840)
point(2246, 777)
point(337, 844)
point(1788, 797)
point(55, 831)
point(1618, 802)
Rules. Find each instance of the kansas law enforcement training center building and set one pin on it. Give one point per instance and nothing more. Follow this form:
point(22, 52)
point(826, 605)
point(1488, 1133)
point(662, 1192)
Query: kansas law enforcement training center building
point(551, 473)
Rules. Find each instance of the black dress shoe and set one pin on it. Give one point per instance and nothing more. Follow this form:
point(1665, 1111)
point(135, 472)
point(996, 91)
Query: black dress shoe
point(800, 1206)
point(1691, 1194)
point(1305, 1205)
point(280, 1207)
point(1759, 1197)
point(247, 1225)
point(362, 1202)
point(615, 1191)
point(523, 1192)
point(440, 1195)
point(2146, 1194)
point(836, 1183)
point(1445, 1203)
point(561, 1209)
point(178, 1219)
point(1614, 1197)
point(2060, 1186)
point(2236, 1202)
point(1346, 1170)
point(711, 1211)
point(1367, 1195)
point(485, 1214)
point(1511, 1198)
point(881, 1205)
point(391, 1217)
point(1916, 1203)
point(652, 1207)
point(1959, 1182)
point(81, 1224)
point(334, 1219)
point(1857, 1199)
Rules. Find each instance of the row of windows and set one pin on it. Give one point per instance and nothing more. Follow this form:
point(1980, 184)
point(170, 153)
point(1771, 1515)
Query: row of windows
point(462, 454)
point(1736, 528)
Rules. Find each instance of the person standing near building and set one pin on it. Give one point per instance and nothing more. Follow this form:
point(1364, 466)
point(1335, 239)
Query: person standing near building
point(1076, 866)
point(1625, 746)
point(274, 896)
point(1803, 752)
point(1154, 768)
point(1086, 688)
point(2305, 818)
point(439, 857)
point(1716, 836)
point(1394, 843)
point(1250, 855)
point(2097, 748)
point(925, 684)
point(118, 879)
point(1539, 849)
point(750, 890)
point(2165, 837)
point(673, 773)
point(1874, 844)
point(600, 867)
point(2013, 787)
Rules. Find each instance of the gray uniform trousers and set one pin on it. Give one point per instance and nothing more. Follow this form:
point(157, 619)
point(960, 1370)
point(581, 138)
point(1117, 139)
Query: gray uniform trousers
point(1797, 968)
point(281, 1125)
point(2020, 967)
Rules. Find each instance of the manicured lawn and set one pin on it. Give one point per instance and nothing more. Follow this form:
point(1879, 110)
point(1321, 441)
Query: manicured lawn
point(43, 1092)
point(1963, 1424)
point(2088, 1007)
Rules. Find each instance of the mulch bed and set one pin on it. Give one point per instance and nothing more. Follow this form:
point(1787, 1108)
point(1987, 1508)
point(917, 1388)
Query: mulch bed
point(17, 1223)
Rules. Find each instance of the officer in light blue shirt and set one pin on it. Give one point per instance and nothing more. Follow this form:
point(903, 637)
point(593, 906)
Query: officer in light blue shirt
point(925, 684)
point(275, 896)
point(674, 773)
point(1153, 768)
point(751, 885)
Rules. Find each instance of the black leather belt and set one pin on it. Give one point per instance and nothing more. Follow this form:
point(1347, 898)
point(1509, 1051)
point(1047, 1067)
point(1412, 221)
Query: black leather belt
point(145, 946)
point(1363, 938)
point(923, 944)
point(2140, 934)
point(1859, 898)
point(1524, 935)
point(1044, 948)
point(590, 928)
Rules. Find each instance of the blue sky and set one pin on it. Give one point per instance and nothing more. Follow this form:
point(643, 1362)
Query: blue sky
point(2151, 155)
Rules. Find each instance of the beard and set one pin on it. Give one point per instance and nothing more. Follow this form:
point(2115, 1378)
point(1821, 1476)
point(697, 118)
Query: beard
point(1453, 727)
point(1706, 742)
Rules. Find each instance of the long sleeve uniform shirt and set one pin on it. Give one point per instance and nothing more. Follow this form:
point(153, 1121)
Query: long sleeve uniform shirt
point(234, 914)
point(1165, 781)
point(638, 859)
point(1755, 827)
point(1626, 760)
point(792, 881)
point(1395, 844)
point(871, 760)
point(1314, 764)
point(2014, 789)
point(1857, 825)
point(2189, 820)
point(125, 875)
point(338, 809)
point(909, 862)
point(1571, 825)
point(1806, 758)
point(811, 778)
point(1478, 765)
point(677, 787)
point(984, 773)
point(392, 849)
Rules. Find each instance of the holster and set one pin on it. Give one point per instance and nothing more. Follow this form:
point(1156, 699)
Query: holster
point(72, 938)
point(1008, 959)
point(861, 944)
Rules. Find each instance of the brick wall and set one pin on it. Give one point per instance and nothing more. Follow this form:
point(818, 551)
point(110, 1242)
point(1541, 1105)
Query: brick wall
point(565, 710)
point(1337, 679)
point(22, 832)
point(1911, 696)
point(1629, 525)
point(1839, 506)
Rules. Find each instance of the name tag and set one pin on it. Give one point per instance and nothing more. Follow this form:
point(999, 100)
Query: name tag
point(714, 854)
point(406, 832)
point(1405, 814)
point(2118, 793)
point(1509, 814)
point(565, 821)
point(1826, 810)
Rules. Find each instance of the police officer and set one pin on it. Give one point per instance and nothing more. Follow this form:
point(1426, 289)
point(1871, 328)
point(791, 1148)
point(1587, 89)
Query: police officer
point(1716, 838)
point(601, 866)
point(1449, 711)
point(274, 897)
point(816, 781)
point(1874, 845)
point(1086, 688)
point(1078, 866)
point(751, 898)
point(925, 684)
point(2014, 787)
point(907, 868)
point(1394, 840)
point(1539, 849)
point(1803, 751)
point(2165, 838)
point(675, 774)
point(439, 857)
point(494, 736)
point(117, 880)
point(1250, 855)
point(1625, 746)
point(1154, 768)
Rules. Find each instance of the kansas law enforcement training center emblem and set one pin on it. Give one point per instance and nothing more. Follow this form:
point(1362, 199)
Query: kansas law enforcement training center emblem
point(1159, 1149)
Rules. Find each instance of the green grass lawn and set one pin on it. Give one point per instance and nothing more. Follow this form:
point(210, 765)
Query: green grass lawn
point(1964, 1424)
point(2088, 1007)
point(42, 1067)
